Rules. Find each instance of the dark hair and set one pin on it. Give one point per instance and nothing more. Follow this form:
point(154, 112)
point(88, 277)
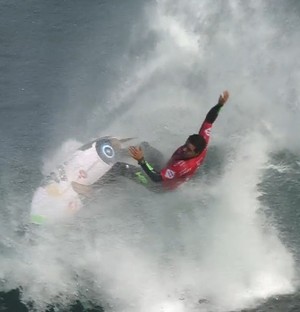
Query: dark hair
point(198, 141)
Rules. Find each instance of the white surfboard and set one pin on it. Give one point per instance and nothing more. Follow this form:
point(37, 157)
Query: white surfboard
point(55, 199)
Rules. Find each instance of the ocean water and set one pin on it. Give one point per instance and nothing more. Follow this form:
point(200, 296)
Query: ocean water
point(228, 240)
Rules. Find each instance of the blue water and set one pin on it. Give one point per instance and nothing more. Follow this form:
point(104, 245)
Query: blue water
point(74, 70)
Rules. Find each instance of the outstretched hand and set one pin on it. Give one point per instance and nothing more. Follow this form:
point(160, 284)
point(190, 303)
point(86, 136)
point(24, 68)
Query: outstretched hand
point(223, 97)
point(136, 152)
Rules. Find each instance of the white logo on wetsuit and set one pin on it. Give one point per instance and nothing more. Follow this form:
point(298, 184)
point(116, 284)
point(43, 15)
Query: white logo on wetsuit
point(207, 131)
point(108, 151)
point(170, 174)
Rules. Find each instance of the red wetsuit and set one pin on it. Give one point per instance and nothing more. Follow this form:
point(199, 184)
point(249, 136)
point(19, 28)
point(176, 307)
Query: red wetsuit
point(178, 171)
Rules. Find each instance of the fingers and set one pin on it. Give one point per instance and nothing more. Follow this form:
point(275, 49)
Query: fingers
point(132, 150)
point(135, 152)
point(224, 97)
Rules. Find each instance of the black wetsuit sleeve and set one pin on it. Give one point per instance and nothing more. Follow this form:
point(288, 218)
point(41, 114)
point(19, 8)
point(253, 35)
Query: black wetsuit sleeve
point(213, 113)
point(150, 171)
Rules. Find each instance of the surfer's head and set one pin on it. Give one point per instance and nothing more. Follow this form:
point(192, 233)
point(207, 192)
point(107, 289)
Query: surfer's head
point(197, 141)
point(193, 146)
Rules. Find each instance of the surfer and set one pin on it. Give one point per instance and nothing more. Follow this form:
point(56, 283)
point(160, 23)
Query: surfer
point(105, 159)
point(187, 158)
point(154, 175)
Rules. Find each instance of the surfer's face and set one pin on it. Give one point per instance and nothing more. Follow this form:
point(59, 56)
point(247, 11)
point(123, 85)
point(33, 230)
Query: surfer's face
point(189, 150)
point(186, 151)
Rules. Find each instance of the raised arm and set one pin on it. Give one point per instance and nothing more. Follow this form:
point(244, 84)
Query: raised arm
point(212, 115)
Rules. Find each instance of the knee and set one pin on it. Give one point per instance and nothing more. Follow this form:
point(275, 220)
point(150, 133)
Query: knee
point(120, 168)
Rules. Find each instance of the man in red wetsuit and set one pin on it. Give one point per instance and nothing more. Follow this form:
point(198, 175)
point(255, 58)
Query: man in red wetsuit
point(186, 159)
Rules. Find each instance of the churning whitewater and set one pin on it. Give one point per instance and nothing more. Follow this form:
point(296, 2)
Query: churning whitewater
point(215, 243)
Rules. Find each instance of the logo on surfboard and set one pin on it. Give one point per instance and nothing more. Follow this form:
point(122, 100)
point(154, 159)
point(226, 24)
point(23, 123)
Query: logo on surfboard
point(108, 151)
